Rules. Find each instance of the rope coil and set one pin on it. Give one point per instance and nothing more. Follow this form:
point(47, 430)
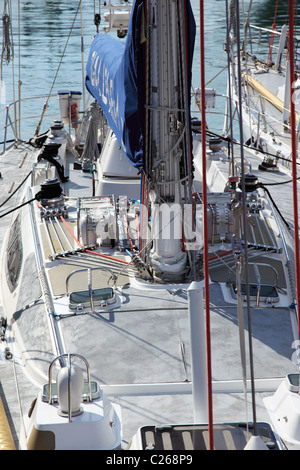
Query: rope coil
point(7, 54)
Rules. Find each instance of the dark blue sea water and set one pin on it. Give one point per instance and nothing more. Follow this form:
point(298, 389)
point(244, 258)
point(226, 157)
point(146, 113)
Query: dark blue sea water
point(42, 37)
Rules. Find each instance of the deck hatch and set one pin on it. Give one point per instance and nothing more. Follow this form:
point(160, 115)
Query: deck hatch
point(83, 297)
point(264, 291)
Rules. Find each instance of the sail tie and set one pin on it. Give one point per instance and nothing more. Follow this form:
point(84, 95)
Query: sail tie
point(232, 20)
point(7, 44)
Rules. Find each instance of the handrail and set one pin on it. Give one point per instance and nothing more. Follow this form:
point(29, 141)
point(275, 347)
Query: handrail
point(265, 29)
point(262, 38)
point(90, 286)
point(68, 356)
point(10, 124)
point(270, 121)
point(13, 124)
point(88, 270)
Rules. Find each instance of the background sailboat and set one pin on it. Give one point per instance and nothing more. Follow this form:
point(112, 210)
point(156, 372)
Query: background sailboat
point(265, 58)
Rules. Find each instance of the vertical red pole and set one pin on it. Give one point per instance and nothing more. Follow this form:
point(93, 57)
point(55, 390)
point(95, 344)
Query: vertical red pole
point(294, 154)
point(205, 235)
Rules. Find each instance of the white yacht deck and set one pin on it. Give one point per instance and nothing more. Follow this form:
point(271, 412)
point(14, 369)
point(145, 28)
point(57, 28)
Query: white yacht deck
point(144, 362)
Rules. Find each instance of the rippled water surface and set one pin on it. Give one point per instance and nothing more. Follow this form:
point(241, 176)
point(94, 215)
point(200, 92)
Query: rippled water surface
point(45, 27)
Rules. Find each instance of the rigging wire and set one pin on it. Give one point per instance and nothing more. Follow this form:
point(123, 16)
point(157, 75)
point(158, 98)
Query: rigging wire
point(246, 27)
point(238, 255)
point(82, 56)
point(8, 38)
point(18, 207)
point(244, 216)
point(274, 28)
point(234, 141)
point(205, 231)
point(294, 154)
point(18, 187)
point(228, 39)
point(58, 68)
point(97, 16)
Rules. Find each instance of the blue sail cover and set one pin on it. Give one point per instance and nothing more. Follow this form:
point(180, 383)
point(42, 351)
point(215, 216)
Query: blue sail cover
point(115, 77)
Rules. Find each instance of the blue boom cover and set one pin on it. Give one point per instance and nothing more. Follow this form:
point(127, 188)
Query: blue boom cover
point(115, 77)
